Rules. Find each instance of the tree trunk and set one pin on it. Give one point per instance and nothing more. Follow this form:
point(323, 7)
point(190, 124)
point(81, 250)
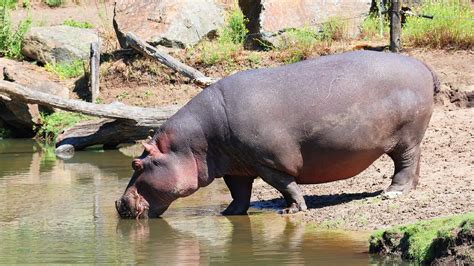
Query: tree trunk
point(395, 26)
point(94, 66)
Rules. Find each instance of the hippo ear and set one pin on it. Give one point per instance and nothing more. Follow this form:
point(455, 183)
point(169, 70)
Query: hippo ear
point(137, 165)
point(150, 148)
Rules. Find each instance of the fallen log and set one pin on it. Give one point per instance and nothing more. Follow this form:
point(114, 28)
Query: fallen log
point(107, 132)
point(167, 60)
point(123, 123)
point(144, 117)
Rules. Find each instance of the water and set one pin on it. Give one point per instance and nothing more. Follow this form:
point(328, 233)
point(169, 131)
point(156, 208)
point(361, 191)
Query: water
point(55, 211)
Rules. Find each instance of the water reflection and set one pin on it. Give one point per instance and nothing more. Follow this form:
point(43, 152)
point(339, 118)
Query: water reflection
point(55, 211)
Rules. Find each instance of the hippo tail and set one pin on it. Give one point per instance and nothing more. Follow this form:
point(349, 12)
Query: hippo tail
point(436, 83)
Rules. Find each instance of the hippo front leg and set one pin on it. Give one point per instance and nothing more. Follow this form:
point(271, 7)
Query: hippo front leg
point(241, 190)
point(288, 187)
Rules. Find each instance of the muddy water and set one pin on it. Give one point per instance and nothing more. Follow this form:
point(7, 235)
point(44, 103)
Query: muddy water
point(54, 211)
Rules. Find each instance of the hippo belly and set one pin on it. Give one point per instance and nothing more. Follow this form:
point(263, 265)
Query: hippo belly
point(335, 165)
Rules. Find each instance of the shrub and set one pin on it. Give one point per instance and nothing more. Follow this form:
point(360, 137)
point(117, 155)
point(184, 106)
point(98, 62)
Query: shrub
point(54, 3)
point(5, 133)
point(297, 44)
point(10, 39)
point(451, 27)
point(235, 30)
point(370, 27)
point(78, 24)
point(334, 29)
point(66, 70)
point(53, 124)
point(229, 41)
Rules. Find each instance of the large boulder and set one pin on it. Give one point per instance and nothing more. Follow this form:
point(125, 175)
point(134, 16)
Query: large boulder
point(19, 116)
point(58, 43)
point(174, 23)
point(268, 18)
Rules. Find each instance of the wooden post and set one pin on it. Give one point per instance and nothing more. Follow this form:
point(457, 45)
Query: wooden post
point(395, 25)
point(94, 67)
point(380, 6)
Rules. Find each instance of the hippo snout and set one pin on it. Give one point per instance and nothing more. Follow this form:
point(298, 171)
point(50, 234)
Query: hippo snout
point(132, 207)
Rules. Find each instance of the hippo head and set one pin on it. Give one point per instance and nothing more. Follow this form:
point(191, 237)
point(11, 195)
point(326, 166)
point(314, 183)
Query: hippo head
point(163, 173)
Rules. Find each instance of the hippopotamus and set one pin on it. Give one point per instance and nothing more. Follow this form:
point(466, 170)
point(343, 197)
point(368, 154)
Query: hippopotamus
point(315, 121)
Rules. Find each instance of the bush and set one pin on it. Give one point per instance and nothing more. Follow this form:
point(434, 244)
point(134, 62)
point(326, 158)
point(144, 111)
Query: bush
point(78, 24)
point(66, 70)
point(54, 3)
point(451, 27)
point(5, 133)
point(53, 124)
point(370, 27)
point(334, 29)
point(235, 30)
point(10, 39)
point(297, 44)
point(229, 41)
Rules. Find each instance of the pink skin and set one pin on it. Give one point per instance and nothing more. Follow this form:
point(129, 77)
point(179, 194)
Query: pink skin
point(161, 175)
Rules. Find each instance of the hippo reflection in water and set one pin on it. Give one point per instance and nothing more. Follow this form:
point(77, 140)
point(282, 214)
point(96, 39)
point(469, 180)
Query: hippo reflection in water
point(312, 122)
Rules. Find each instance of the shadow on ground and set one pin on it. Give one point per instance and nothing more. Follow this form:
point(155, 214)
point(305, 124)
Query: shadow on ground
point(316, 201)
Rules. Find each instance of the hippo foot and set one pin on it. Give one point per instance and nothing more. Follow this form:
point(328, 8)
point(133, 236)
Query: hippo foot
point(235, 209)
point(294, 208)
point(391, 194)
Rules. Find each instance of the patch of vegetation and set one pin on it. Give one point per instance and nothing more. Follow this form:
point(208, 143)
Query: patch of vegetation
point(10, 37)
point(424, 241)
point(229, 41)
point(334, 29)
point(54, 3)
point(10, 4)
point(298, 44)
point(5, 133)
point(78, 24)
point(451, 27)
point(370, 28)
point(66, 70)
point(53, 124)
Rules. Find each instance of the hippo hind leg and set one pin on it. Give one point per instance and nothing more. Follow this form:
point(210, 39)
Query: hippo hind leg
point(241, 190)
point(288, 187)
point(407, 171)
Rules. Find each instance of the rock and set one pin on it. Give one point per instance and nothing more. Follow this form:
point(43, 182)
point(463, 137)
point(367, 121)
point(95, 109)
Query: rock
point(65, 151)
point(268, 18)
point(174, 23)
point(18, 116)
point(58, 43)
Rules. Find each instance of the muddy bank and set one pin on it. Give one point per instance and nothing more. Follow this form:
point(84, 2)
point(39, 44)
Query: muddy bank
point(439, 241)
point(446, 183)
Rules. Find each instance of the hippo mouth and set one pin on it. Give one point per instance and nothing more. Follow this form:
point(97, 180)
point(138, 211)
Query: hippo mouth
point(133, 206)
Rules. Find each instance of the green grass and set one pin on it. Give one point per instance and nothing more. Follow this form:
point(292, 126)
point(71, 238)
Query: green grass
point(78, 24)
point(66, 70)
point(53, 124)
point(451, 27)
point(5, 133)
point(229, 41)
point(300, 43)
point(418, 241)
point(10, 36)
point(54, 3)
point(370, 28)
point(11, 4)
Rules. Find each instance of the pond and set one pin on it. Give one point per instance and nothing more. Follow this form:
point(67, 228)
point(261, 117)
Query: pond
point(55, 211)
